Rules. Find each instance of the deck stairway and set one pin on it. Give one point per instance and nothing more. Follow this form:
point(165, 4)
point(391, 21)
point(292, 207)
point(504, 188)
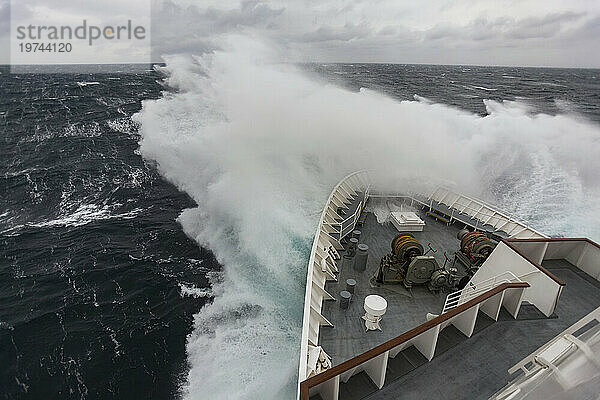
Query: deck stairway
point(473, 290)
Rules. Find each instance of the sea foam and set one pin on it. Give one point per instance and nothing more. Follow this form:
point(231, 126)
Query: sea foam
point(259, 145)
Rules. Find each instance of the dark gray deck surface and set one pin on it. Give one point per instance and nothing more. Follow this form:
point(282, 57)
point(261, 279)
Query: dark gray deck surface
point(406, 309)
point(475, 368)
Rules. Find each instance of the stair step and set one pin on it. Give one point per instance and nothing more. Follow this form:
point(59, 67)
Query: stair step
point(448, 338)
point(483, 321)
point(530, 312)
point(414, 356)
point(358, 387)
point(406, 361)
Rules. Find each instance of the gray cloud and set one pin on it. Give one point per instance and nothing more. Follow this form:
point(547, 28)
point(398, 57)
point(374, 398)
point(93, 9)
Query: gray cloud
point(504, 29)
point(4, 17)
point(388, 31)
point(545, 27)
point(444, 31)
point(344, 33)
point(557, 32)
point(250, 13)
point(177, 29)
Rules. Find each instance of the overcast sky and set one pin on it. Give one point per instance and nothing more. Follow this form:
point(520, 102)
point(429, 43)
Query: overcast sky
point(516, 32)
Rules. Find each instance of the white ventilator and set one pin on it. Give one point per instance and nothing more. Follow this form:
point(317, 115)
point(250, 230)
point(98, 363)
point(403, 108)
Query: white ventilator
point(375, 306)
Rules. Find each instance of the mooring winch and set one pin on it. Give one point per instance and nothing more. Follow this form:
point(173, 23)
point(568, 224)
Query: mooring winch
point(408, 264)
point(475, 248)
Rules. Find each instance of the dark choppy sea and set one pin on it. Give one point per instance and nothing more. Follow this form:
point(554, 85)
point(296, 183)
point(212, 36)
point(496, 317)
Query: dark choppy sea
point(92, 261)
point(98, 282)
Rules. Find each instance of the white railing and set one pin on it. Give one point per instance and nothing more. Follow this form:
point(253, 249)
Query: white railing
point(565, 362)
point(323, 256)
point(481, 212)
point(460, 205)
point(346, 226)
point(531, 360)
point(473, 290)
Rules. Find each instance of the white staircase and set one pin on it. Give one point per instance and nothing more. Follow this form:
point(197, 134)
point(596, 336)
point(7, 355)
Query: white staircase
point(473, 290)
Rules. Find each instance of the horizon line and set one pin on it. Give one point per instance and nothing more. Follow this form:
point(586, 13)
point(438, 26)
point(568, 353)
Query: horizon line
point(151, 63)
point(447, 64)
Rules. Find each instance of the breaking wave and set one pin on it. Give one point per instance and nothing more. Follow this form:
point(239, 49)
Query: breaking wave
point(84, 84)
point(88, 130)
point(82, 215)
point(259, 145)
point(193, 291)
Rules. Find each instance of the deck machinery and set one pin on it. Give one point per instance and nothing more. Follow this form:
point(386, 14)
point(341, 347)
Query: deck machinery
point(380, 364)
point(408, 264)
point(475, 248)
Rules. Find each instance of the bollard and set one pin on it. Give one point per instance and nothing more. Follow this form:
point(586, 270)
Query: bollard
point(344, 299)
point(350, 285)
point(360, 261)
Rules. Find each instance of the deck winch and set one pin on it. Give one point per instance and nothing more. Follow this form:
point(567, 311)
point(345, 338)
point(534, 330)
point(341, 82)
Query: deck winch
point(475, 248)
point(408, 264)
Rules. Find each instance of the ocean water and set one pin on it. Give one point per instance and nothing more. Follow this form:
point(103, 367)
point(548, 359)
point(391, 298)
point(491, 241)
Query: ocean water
point(155, 226)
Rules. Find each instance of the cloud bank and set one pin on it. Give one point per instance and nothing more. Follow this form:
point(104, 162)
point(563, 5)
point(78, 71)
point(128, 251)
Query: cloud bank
point(560, 33)
point(531, 33)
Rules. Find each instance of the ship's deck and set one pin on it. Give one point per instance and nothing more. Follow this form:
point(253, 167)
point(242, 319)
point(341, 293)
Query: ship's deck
point(406, 308)
point(474, 367)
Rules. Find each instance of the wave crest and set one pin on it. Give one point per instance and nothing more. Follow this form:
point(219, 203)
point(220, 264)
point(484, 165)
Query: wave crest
point(259, 145)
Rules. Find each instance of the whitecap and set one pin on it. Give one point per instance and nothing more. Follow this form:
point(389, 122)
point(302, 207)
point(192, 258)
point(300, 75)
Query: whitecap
point(484, 88)
point(193, 291)
point(82, 215)
point(84, 84)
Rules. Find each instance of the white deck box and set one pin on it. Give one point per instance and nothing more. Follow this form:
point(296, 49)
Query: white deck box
point(407, 221)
